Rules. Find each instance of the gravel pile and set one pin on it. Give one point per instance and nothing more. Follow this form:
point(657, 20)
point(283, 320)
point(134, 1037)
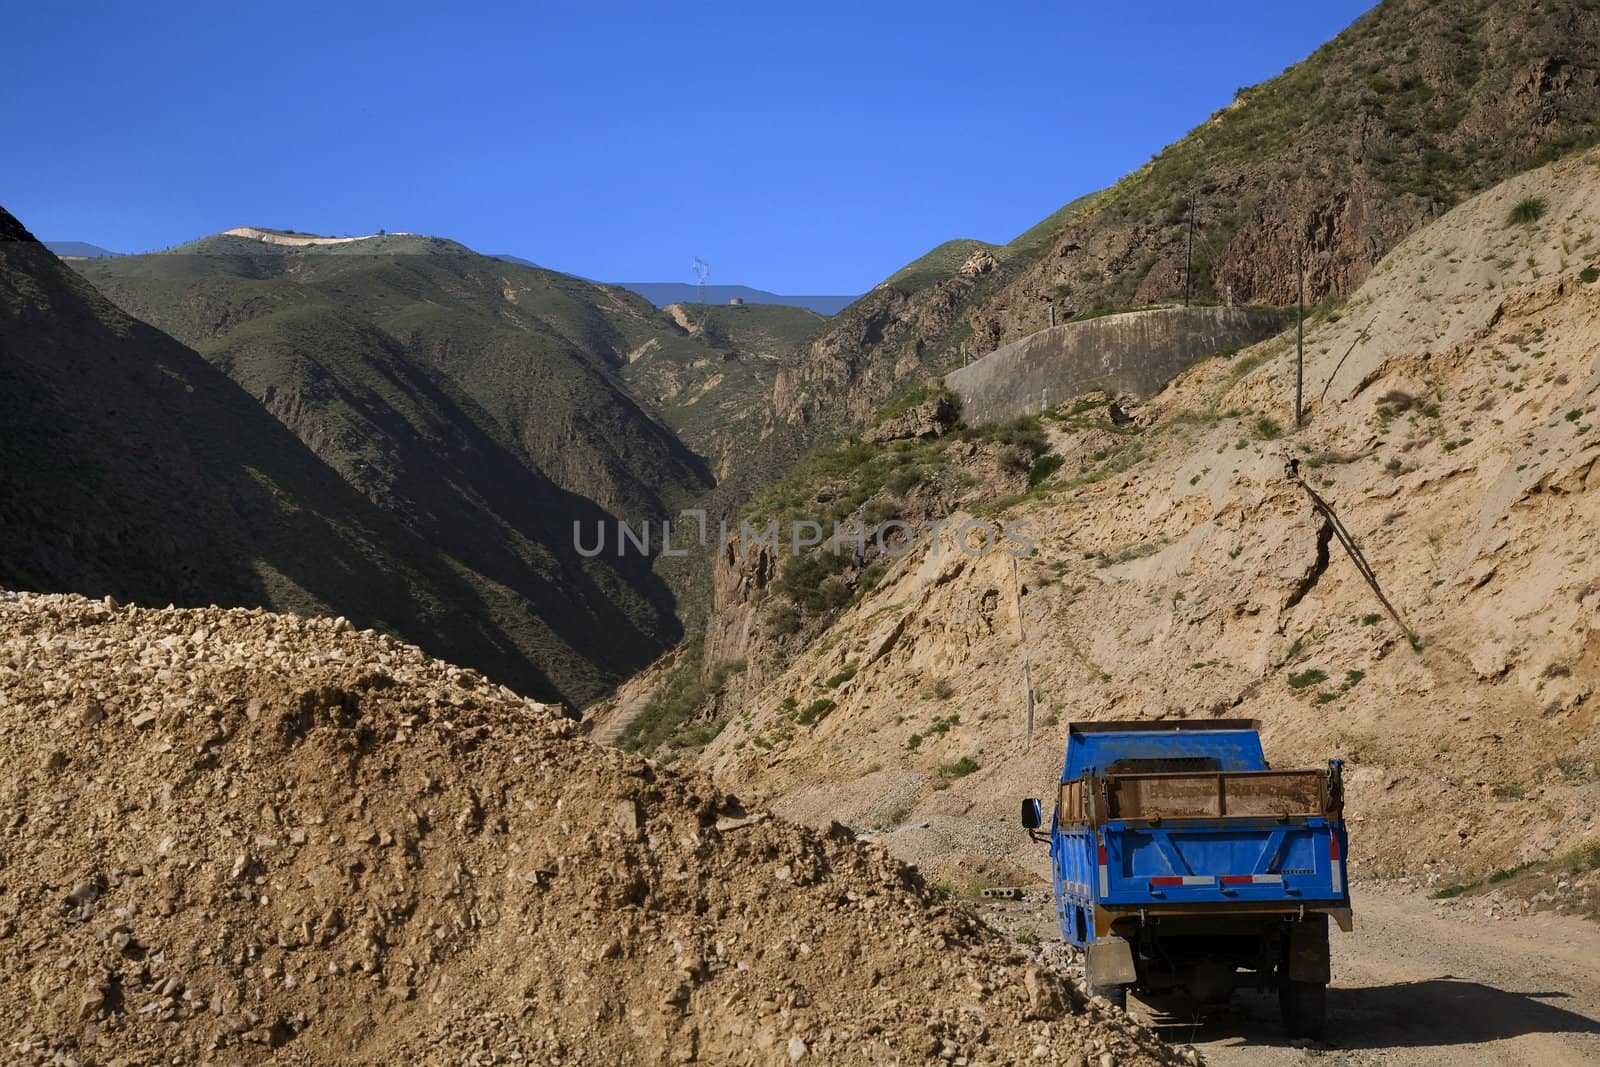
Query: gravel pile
point(235, 836)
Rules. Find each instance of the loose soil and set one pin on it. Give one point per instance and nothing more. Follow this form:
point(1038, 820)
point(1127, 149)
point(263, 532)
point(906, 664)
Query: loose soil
point(234, 836)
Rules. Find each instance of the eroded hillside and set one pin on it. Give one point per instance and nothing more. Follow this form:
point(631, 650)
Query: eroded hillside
point(1180, 572)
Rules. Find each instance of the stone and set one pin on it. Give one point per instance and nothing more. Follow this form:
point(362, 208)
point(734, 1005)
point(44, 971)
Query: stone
point(934, 417)
point(797, 1050)
point(625, 814)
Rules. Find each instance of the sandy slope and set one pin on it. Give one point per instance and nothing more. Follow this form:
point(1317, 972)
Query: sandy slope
point(1193, 578)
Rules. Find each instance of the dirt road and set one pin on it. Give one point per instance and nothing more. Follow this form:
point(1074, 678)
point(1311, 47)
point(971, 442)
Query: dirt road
point(1417, 983)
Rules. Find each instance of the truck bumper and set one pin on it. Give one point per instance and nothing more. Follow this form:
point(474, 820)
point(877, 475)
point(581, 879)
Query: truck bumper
point(1106, 918)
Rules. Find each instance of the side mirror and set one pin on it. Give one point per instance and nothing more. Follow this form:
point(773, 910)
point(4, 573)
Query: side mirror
point(1032, 814)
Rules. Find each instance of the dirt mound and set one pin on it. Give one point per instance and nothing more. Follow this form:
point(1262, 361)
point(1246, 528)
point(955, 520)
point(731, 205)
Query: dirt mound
point(236, 835)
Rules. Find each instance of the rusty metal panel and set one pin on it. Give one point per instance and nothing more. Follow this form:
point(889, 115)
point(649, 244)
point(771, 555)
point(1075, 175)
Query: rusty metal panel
point(1070, 804)
point(1277, 793)
point(1166, 796)
point(1211, 796)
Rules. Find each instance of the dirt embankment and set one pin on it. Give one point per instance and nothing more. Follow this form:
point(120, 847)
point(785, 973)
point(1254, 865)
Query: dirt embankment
point(239, 836)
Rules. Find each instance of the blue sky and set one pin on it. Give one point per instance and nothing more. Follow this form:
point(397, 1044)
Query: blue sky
point(798, 148)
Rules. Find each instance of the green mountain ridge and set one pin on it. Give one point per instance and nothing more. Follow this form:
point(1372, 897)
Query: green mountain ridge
point(489, 407)
point(479, 404)
point(132, 466)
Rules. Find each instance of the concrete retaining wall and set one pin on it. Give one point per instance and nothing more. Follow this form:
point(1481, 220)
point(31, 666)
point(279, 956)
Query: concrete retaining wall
point(1134, 353)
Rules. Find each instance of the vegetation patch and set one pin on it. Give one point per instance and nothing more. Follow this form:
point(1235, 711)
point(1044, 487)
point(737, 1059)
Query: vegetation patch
point(814, 711)
point(1308, 678)
point(1526, 212)
point(1043, 468)
point(842, 677)
point(959, 769)
point(665, 720)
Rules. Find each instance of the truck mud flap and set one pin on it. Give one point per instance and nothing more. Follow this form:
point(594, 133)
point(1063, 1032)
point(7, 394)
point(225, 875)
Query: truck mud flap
point(1110, 962)
point(1307, 951)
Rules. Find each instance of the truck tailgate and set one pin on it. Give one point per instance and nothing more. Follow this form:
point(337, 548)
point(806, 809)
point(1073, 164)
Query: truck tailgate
point(1215, 836)
point(1232, 859)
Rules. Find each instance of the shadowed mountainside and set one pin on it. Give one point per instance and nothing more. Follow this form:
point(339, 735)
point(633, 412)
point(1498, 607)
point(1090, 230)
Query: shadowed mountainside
point(133, 467)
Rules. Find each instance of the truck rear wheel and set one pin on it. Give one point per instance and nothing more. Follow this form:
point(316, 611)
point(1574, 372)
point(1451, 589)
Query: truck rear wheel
point(1304, 1006)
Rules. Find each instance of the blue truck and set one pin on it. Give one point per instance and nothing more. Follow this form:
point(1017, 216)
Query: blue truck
point(1184, 864)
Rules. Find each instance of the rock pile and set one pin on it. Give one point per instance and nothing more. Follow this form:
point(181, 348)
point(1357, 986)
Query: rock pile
point(235, 836)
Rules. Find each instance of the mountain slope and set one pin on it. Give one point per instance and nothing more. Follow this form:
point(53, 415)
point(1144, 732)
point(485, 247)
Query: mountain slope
point(135, 467)
point(1178, 571)
point(1415, 106)
point(536, 351)
point(710, 384)
point(370, 347)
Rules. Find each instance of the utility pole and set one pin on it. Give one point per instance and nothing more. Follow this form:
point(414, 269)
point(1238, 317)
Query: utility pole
point(1299, 334)
point(1188, 270)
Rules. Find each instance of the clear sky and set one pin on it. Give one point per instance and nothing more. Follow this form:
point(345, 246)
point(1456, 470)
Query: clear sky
point(798, 148)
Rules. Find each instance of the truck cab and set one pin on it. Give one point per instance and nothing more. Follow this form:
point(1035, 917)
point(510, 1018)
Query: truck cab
point(1183, 863)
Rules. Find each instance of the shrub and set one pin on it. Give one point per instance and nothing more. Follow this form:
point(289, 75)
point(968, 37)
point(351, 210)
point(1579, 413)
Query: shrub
point(1397, 401)
point(880, 511)
point(783, 618)
point(842, 677)
point(870, 578)
point(1043, 468)
point(1025, 432)
point(939, 689)
point(812, 580)
point(1589, 275)
point(1528, 210)
point(814, 711)
point(1307, 679)
point(959, 769)
point(1267, 429)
